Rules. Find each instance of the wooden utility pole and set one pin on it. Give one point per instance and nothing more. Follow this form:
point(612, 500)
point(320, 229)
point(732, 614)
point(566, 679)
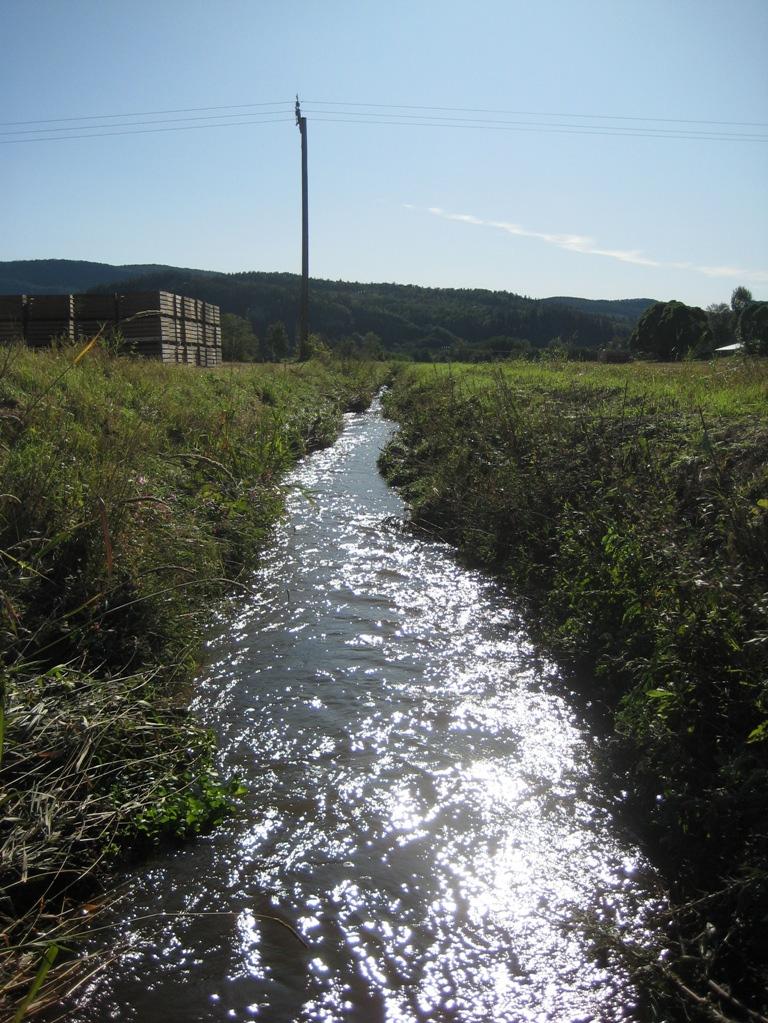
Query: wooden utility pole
point(304, 314)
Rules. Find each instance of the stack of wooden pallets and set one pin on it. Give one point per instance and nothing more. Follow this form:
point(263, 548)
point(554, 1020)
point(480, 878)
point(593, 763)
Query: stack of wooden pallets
point(153, 324)
point(171, 327)
point(91, 312)
point(11, 318)
point(49, 318)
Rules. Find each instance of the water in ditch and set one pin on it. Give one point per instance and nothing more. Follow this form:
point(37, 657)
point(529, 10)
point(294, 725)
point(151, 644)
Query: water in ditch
point(423, 807)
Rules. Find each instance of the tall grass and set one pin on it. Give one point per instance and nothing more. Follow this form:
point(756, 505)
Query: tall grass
point(627, 507)
point(133, 495)
point(732, 386)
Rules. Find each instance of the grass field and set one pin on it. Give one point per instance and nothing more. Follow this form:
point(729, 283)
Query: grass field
point(627, 508)
point(730, 386)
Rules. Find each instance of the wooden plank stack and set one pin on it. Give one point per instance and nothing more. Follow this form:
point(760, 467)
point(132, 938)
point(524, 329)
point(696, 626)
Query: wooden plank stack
point(93, 311)
point(174, 328)
point(12, 316)
point(152, 324)
point(49, 318)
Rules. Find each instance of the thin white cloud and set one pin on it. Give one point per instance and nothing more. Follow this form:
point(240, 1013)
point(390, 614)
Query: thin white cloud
point(756, 276)
point(589, 247)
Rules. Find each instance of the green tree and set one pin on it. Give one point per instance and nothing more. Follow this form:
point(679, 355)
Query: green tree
point(265, 350)
point(277, 341)
point(740, 299)
point(752, 328)
point(371, 346)
point(317, 347)
point(238, 341)
point(721, 323)
point(669, 330)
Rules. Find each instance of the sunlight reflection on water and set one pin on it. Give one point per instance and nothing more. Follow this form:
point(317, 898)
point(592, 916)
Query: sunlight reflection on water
point(422, 808)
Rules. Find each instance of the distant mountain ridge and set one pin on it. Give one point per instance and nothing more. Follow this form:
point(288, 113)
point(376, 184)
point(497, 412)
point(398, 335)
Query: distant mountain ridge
point(65, 276)
point(630, 309)
point(404, 317)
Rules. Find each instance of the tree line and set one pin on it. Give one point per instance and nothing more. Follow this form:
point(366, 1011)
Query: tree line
point(426, 324)
point(411, 322)
point(406, 321)
point(673, 330)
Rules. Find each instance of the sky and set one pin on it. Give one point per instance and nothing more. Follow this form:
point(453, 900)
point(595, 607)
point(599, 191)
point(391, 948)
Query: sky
point(600, 148)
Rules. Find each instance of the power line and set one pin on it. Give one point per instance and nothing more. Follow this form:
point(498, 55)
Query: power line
point(344, 115)
point(128, 124)
point(288, 104)
point(540, 113)
point(435, 120)
point(586, 130)
point(359, 119)
point(143, 131)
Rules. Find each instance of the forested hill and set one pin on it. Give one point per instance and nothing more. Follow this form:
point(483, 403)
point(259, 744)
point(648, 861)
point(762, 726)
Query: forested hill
point(629, 309)
point(403, 317)
point(65, 276)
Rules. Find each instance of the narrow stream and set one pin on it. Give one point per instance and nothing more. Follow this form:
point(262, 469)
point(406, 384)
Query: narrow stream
point(422, 804)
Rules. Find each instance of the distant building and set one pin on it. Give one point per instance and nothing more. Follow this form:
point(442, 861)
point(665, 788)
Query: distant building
point(152, 324)
point(729, 349)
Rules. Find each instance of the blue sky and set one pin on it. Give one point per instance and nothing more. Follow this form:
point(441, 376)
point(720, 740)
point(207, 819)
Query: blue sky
point(600, 207)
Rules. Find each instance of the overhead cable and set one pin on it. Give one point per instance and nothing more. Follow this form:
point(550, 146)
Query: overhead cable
point(586, 130)
point(146, 113)
point(375, 114)
point(278, 115)
point(143, 131)
point(539, 113)
point(435, 120)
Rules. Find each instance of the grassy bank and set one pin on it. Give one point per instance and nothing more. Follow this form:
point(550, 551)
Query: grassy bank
point(627, 506)
point(132, 497)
